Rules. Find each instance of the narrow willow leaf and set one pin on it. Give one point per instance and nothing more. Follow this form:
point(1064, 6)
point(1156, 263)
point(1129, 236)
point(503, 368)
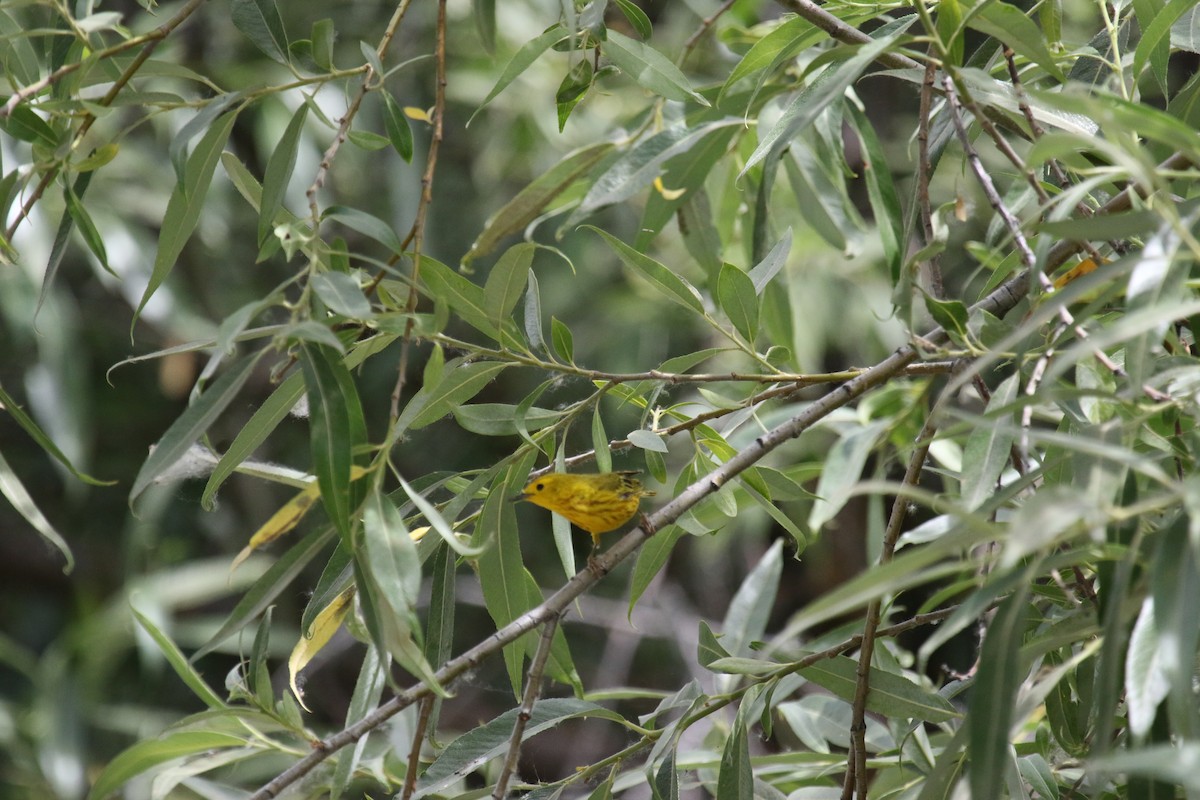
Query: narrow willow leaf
point(988, 448)
point(651, 558)
point(746, 619)
point(506, 282)
point(650, 68)
point(149, 753)
point(192, 423)
point(881, 192)
point(520, 62)
point(83, 221)
point(185, 205)
point(342, 294)
point(268, 587)
point(190, 677)
point(464, 298)
point(560, 337)
point(828, 87)
point(367, 225)
point(1010, 25)
point(1155, 19)
point(949, 30)
point(843, 468)
point(14, 410)
point(500, 419)
point(501, 573)
point(474, 749)
point(735, 779)
point(279, 172)
point(264, 420)
point(438, 522)
point(372, 677)
point(330, 431)
point(398, 131)
point(260, 22)
point(663, 279)
point(485, 22)
point(14, 491)
point(892, 695)
point(647, 440)
point(458, 386)
point(994, 696)
point(600, 442)
point(762, 272)
point(735, 293)
point(786, 37)
point(637, 169)
point(533, 314)
point(322, 35)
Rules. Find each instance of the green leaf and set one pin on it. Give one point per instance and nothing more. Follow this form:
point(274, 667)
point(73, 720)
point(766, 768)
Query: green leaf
point(881, 191)
point(829, 86)
point(279, 173)
point(185, 205)
point(472, 750)
point(148, 754)
point(191, 678)
point(14, 410)
point(500, 419)
point(560, 337)
point(762, 272)
point(25, 124)
point(988, 448)
point(892, 695)
point(398, 131)
point(647, 440)
point(323, 34)
point(331, 430)
point(192, 423)
point(458, 385)
point(600, 442)
point(787, 37)
point(950, 315)
point(485, 22)
point(842, 470)
point(650, 68)
point(264, 420)
point(268, 587)
point(746, 619)
point(735, 293)
point(501, 573)
point(637, 18)
point(651, 558)
point(1155, 18)
point(572, 89)
point(949, 30)
point(87, 228)
point(636, 169)
point(532, 200)
point(260, 22)
point(708, 647)
point(994, 696)
point(367, 225)
point(663, 279)
point(520, 62)
point(1010, 25)
point(12, 488)
point(736, 778)
point(465, 298)
point(342, 294)
point(389, 580)
point(506, 282)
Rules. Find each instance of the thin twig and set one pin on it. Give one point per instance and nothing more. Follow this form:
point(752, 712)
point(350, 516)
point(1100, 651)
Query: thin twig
point(414, 754)
point(924, 173)
point(533, 688)
point(984, 179)
point(347, 119)
point(705, 25)
point(1034, 128)
point(417, 233)
point(856, 774)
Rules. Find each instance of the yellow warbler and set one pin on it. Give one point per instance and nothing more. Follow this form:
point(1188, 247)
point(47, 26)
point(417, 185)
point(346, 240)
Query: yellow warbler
point(597, 502)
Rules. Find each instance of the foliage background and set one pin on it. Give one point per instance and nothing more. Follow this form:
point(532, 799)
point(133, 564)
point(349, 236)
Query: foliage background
point(1103, 503)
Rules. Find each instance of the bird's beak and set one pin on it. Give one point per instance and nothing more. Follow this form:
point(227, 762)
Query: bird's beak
point(517, 497)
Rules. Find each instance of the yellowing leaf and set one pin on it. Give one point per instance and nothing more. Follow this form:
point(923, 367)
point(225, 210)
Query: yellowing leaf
point(317, 636)
point(419, 114)
point(286, 518)
point(1080, 269)
point(668, 194)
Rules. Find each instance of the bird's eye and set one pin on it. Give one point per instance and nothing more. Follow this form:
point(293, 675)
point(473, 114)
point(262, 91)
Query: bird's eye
point(540, 486)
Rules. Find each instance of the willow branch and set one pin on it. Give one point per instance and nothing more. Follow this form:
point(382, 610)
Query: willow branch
point(417, 233)
point(856, 775)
